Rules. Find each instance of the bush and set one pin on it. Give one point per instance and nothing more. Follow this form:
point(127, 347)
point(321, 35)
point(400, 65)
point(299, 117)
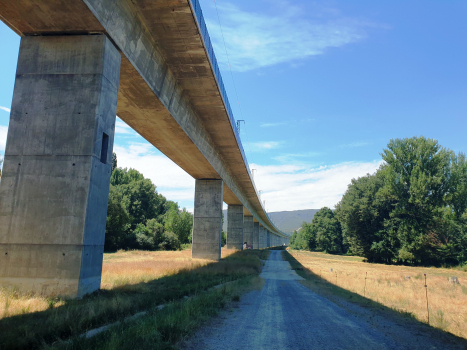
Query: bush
point(170, 241)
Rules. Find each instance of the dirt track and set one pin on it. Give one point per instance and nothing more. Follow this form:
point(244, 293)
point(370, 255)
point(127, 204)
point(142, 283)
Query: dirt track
point(287, 315)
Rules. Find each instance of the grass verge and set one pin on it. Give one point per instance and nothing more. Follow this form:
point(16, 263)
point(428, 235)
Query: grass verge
point(131, 282)
point(397, 288)
point(163, 329)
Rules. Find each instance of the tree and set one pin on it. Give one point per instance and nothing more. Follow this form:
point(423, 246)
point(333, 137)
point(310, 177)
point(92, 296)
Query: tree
point(142, 200)
point(118, 221)
point(179, 222)
point(324, 233)
point(416, 181)
point(297, 241)
point(114, 161)
point(362, 214)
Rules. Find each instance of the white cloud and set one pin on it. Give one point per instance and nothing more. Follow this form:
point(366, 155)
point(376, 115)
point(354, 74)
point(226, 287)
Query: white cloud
point(294, 187)
point(171, 180)
point(292, 157)
point(264, 146)
point(122, 128)
point(3, 133)
point(355, 144)
point(5, 109)
point(268, 125)
point(255, 40)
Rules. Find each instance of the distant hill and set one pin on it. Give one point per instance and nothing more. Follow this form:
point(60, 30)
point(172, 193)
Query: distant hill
point(287, 221)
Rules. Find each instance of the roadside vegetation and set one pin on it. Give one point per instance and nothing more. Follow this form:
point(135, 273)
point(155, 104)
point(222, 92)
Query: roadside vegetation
point(400, 288)
point(132, 281)
point(412, 211)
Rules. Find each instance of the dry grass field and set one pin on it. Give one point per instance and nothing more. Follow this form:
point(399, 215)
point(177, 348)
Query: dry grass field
point(131, 281)
point(400, 288)
point(128, 270)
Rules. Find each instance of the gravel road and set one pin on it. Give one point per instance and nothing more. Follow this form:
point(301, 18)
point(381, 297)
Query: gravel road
point(287, 315)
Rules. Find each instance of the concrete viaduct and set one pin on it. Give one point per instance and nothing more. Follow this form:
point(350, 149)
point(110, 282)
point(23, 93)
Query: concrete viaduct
point(80, 63)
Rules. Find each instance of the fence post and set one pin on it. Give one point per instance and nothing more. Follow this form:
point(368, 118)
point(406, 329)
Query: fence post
point(426, 293)
point(364, 288)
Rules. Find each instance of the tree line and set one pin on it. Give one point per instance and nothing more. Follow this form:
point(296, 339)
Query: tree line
point(412, 210)
point(140, 218)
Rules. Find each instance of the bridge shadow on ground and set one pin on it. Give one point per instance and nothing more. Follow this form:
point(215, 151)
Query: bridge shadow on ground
point(67, 318)
point(346, 299)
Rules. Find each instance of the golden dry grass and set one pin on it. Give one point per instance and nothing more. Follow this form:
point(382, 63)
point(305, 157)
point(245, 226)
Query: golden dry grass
point(401, 288)
point(131, 282)
point(129, 268)
point(122, 269)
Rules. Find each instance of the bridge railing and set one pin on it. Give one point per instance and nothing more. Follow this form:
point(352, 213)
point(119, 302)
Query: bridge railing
point(215, 66)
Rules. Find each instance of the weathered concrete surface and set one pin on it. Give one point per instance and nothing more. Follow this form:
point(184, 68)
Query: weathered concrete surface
point(56, 175)
point(235, 227)
point(256, 235)
point(168, 90)
point(248, 229)
point(268, 238)
point(262, 237)
point(207, 220)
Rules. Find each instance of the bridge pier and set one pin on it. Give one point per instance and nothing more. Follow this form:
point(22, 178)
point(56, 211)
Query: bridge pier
point(235, 227)
point(58, 159)
point(262, 237)
point(256, 235)
point(268, 239)
point(207, 219)
point(248, 225)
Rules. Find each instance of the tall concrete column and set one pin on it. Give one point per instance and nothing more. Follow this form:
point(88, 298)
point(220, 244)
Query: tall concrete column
point(58, 159)
point(256, 235)
point(264, 241)
point(235, 227)
point(268, 239)
point(248, 229)
point(207, 219)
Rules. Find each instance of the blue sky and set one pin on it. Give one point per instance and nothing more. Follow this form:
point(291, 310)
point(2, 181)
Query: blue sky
point(322, 85)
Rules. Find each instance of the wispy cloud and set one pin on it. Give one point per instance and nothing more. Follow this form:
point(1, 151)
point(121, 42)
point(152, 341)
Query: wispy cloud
point(294, 187)
point(122, 128)
point(268, 125)
point(292, 157)
point(3, 133)
point(355, 144)
point(171, 181)
point(256, 40)
point(5, 109)
point(264, 146)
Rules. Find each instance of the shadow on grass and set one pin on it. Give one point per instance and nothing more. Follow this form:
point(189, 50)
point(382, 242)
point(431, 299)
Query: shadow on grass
point(337, 294)
point(33, 330)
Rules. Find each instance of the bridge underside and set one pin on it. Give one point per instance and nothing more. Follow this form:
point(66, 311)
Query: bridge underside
point(167, 92)
point(174, 72)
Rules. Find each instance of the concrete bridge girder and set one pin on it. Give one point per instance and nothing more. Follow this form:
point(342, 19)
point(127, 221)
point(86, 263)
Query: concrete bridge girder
point(167, 92)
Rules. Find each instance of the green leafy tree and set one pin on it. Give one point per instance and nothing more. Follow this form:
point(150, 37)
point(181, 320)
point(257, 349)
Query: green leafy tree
point(179, 222)
point(118, 221)
point(362, 214)
point(324, 233)
point(142, 201)
point(298, 241)
point(416, 181)
point(114, 161)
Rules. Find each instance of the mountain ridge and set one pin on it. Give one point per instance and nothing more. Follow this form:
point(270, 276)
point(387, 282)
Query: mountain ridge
point(286, 221)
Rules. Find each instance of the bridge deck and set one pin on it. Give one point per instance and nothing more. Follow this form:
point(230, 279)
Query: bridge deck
point(168, 32)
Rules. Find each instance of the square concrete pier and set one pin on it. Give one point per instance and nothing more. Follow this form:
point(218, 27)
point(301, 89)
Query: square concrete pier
point(56, 174)
point(256, 235)
point(235, 218)
point(207, 219)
